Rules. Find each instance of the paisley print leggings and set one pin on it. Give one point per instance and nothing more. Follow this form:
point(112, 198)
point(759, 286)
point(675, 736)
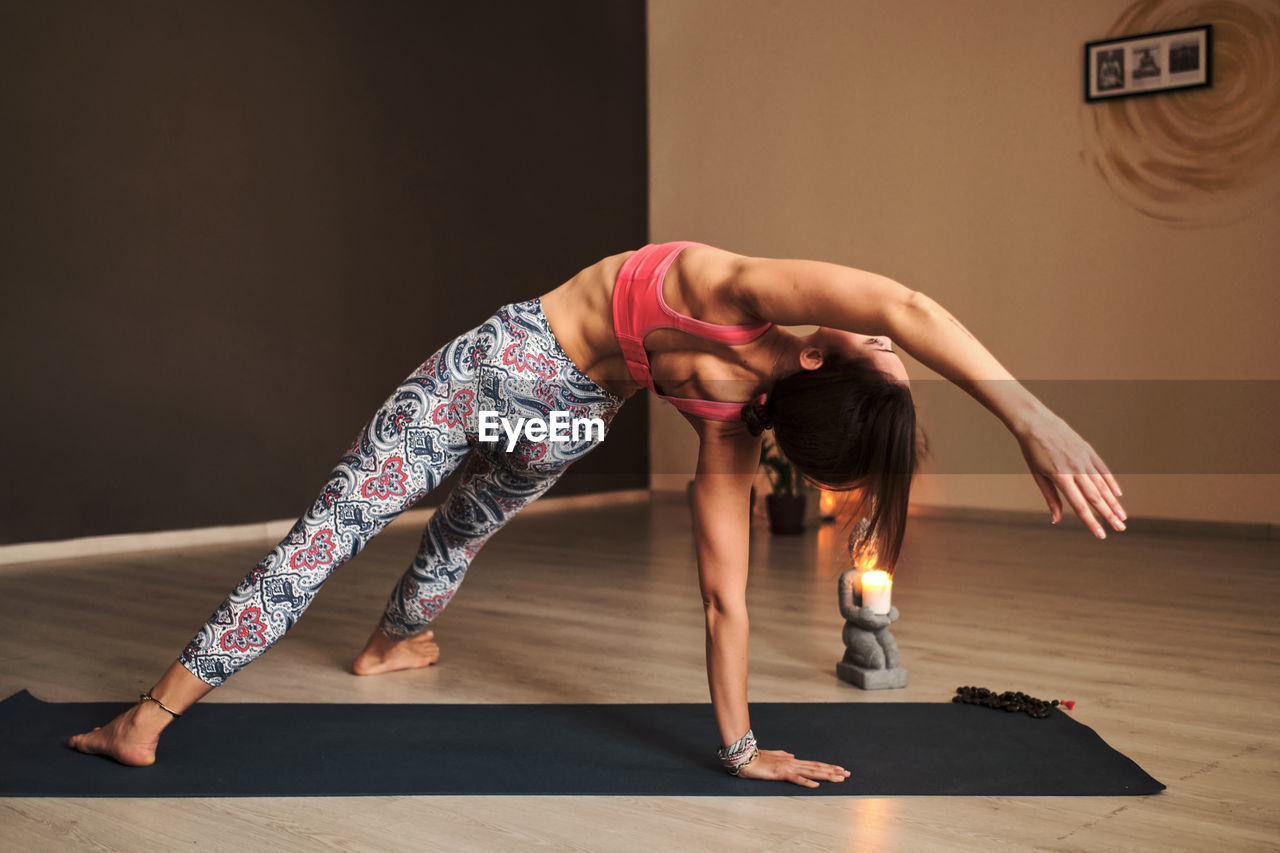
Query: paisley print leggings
point(511, 365)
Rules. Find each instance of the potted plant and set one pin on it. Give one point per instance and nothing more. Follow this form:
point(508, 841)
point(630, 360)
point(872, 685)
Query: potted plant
point(786, 503)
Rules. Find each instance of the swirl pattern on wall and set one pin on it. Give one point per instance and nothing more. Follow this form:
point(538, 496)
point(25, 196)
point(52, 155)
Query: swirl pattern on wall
point(1203, 156)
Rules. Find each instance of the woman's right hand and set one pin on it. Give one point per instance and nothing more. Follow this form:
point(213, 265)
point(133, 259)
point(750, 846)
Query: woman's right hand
point(783, 766)
point(1063, 462)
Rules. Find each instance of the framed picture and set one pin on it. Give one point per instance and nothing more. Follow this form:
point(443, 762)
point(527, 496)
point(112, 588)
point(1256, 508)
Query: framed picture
point(1148, 63)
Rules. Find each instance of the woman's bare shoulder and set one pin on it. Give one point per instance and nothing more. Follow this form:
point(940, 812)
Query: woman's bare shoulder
point(708, 285)
point(710, 264)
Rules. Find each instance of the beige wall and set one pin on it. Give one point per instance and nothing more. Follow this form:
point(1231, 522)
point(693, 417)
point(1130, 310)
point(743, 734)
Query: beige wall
point(946, 143)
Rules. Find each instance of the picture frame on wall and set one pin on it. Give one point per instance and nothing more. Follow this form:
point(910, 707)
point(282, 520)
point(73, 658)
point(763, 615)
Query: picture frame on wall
point(1148, 63)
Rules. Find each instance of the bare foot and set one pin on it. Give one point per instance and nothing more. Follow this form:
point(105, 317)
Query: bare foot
point(130, 738)
point(383, 654)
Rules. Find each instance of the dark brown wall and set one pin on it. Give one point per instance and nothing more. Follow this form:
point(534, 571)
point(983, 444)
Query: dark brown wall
point(228, 230)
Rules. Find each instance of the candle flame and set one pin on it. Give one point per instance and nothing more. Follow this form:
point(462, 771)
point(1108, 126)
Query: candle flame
point(876, 577)
point(866, 559)
point(827, 502)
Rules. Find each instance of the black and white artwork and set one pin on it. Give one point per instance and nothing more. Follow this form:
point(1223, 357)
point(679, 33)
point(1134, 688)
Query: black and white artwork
point(1147, 63)
point(1110, 70)
point(1184, 57)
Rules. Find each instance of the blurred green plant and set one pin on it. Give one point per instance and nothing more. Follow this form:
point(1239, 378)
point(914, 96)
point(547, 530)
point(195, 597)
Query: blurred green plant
point(784, 477)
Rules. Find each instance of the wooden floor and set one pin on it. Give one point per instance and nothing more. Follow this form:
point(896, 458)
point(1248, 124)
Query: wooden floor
point(1168, 645)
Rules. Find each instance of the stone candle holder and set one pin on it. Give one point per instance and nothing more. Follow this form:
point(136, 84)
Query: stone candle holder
point(871, 660)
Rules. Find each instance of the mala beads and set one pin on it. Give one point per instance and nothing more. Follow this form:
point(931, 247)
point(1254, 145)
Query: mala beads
point(1009, 700)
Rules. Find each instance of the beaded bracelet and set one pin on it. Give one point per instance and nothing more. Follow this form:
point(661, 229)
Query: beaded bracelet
point(737, 769)
point(738, 754)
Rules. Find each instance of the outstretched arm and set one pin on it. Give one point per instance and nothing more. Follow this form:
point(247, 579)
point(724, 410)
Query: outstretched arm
point(798, 292)
point(727, 462)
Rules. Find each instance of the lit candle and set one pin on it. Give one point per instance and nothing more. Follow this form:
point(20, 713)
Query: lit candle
point(827, 504)
point(876, 588)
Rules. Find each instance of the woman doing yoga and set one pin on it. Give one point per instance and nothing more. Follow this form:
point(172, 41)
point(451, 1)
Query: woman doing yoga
point(838, 401)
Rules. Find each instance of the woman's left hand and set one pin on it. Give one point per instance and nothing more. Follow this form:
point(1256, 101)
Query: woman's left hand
point(1063, 462)
point(781, 765)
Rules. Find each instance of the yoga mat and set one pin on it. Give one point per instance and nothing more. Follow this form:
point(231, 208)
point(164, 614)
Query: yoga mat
point(293, 750)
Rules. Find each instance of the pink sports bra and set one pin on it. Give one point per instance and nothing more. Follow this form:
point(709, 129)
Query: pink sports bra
point(639, 308)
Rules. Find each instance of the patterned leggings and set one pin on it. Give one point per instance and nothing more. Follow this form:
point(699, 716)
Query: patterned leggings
point(512, 365)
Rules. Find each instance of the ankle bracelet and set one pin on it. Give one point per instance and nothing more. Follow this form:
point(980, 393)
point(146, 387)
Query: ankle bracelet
point(147, 697)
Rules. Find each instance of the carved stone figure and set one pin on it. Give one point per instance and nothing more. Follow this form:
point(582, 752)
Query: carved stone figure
point(871, 660)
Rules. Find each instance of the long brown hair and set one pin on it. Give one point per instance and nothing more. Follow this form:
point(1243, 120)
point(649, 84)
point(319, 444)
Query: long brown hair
point(848, 427)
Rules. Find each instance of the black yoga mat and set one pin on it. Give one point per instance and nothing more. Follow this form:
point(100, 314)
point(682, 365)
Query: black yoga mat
point(278, 750)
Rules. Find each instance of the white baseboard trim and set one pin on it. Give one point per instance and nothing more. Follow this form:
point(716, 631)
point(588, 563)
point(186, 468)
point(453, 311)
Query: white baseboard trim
point(264, 533)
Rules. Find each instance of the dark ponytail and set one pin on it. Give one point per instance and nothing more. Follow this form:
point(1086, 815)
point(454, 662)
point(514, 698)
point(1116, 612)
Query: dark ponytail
point(848, 427)
point(757, 416)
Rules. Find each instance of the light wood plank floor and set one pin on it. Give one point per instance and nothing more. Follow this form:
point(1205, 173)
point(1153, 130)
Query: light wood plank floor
point(1168, 645)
